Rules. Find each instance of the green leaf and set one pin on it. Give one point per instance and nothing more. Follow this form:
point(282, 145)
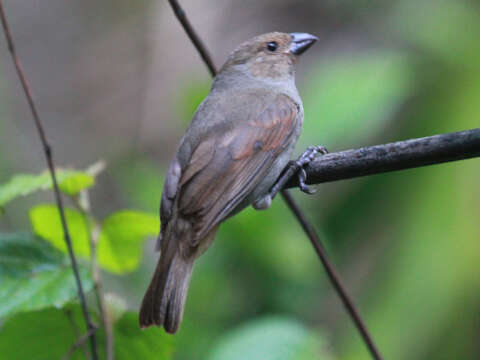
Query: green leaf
point(71, 182)
point(49, 334)
point(75, 183)
point(120, 242)
point(38, 335)
point(273, 338)
point(131, 342)
point(46, 223)
point(358, 93)
point(121, 239)
point(33, 275)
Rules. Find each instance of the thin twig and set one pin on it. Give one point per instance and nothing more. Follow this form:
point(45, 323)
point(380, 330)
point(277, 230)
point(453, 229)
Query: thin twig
point(81, 340)
point(82, 203)
point(332, 275)
point(76, 331)
point(399, 155)
point(49, 157)
point(308, 228)
point(197, 42)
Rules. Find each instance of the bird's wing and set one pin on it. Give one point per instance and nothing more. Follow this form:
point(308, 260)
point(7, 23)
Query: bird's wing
point(224, 169)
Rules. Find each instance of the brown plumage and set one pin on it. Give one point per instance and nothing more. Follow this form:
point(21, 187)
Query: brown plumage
point(239, 140)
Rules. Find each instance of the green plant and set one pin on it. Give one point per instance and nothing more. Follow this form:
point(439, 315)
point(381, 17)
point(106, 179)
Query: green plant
point(38, 293)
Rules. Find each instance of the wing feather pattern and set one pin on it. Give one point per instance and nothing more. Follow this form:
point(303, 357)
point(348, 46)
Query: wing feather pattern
point(224, 170)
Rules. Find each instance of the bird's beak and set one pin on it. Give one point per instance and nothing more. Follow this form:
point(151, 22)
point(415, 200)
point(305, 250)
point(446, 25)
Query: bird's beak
point(301, 42)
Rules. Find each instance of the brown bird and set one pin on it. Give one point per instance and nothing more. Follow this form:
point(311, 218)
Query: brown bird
point(239, 141)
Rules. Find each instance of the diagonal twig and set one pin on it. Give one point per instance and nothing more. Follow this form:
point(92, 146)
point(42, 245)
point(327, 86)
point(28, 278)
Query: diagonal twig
point(49, 157)
point(81, 340)
point(196, 41)
point(332, 274)
point(76, 331)
point(307, 227)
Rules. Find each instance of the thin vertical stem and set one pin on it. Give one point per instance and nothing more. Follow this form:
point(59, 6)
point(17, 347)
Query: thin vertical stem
point(82, 203)
point(49, 158)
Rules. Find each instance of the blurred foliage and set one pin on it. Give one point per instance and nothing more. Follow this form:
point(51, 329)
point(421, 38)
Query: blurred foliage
point(192, 93)
point(35, 273)
point(46, 223)
point(34, 276)
point(140, 182)
point(120, 240)
point(270, 339)
point(51, 333)
point(406, 243)
point(432, 272)
point(353, 91)
point(69, 181)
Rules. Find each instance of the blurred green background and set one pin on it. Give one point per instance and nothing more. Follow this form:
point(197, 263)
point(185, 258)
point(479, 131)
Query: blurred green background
point(119, 81)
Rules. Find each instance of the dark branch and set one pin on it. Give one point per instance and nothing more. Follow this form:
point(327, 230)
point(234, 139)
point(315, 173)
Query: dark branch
point(307, 227)
point(399, 155)
point(197, 42)
point(49, 157)
point(332, 275)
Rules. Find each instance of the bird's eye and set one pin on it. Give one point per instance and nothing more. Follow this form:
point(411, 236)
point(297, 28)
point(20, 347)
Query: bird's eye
point(272, 46)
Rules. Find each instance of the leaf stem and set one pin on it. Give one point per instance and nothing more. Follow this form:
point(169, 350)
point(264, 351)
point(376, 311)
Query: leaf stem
point(82, 203)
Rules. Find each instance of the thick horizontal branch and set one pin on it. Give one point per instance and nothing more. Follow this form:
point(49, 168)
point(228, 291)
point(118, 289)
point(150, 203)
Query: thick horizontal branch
point(393, 156)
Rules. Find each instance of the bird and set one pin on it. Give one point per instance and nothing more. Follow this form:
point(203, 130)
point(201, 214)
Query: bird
point(235, 148)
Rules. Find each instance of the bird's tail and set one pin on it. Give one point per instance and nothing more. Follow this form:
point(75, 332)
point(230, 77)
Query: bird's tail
point(165, 298)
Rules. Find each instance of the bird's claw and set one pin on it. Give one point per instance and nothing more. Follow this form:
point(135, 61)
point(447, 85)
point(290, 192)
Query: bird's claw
point(302, 177)
point(304, 159)
point(297, 168)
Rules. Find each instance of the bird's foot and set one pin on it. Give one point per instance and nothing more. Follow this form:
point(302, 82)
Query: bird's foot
point(306, 158)
point(298, 167)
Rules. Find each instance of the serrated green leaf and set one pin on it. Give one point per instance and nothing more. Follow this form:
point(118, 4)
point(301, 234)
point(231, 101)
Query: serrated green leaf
point(50, 334)
point(70, 182)
point(46, 223)
point(357, 93)
point(33, 275)
point(272, 338)
point(121, 239)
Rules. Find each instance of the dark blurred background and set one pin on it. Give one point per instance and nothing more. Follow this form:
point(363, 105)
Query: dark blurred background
point(119, 81)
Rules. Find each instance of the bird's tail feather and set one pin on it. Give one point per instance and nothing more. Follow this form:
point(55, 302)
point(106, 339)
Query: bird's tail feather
point(165, 298)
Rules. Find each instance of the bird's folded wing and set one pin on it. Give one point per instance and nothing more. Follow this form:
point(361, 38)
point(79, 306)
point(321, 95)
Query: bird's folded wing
point(224, 170)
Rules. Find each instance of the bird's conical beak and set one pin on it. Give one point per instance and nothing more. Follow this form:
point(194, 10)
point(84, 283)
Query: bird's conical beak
point(301, 42)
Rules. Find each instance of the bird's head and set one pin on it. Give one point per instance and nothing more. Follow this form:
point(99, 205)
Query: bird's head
point(270, 55)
